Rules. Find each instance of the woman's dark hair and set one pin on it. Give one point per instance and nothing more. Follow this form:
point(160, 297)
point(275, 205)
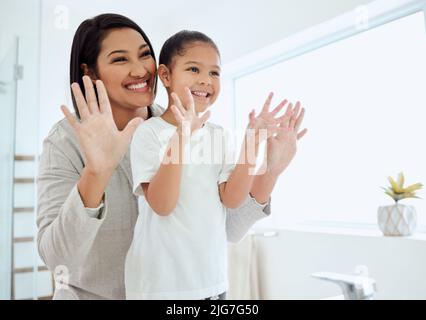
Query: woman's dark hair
point(87, 45)
point(177, 44)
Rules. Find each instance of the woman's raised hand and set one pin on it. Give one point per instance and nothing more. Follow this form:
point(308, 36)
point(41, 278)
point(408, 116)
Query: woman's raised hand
point(102, 144)
point(186, 116)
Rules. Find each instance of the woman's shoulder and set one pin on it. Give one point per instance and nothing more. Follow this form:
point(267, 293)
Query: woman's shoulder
point(63, 139)
point(61, 132)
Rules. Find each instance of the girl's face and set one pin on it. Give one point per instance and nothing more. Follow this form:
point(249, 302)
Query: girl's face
point(127, 68)
point(199, 70)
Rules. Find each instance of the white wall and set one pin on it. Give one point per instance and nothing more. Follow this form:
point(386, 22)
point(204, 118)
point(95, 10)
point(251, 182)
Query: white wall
point(238, 27)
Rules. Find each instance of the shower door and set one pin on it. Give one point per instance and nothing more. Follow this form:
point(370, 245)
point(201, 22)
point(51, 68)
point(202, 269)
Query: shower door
point(8, 93)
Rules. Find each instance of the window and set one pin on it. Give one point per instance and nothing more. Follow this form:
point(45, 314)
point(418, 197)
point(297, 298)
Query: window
point(366, 113)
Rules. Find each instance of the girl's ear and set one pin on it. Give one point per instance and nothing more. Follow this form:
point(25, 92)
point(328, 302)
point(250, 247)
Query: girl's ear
point(88, 72)
point(164, 75)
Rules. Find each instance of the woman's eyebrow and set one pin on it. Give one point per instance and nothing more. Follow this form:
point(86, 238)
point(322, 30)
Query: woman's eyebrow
point(125, 51)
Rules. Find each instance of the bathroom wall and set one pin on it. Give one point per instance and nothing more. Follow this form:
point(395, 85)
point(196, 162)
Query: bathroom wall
point(287, 260)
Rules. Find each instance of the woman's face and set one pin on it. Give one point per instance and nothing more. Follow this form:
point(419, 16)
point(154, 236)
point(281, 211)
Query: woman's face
point(127, 68)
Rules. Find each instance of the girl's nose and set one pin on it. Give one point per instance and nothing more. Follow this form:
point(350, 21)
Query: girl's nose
point(205, 79)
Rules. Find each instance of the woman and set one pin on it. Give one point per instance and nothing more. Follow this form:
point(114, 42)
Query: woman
point(86, 208)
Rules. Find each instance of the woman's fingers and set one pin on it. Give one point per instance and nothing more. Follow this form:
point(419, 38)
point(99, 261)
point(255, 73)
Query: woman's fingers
point(301, 134)
point(131, 127)
point(92, 102)
point(83, 110)
point(293, 118)
point(252, 118)
point(285, 119)
point(104, 104)
point(299, 120)
point(70, 117)
point(267, 102)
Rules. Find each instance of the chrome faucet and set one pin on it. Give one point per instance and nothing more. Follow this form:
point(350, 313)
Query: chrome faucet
point(354, 287)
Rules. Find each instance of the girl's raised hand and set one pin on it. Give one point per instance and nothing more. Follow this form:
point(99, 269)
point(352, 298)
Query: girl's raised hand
point(102, 144)
point(282, 147)
point(266, 123)
point(186, 116)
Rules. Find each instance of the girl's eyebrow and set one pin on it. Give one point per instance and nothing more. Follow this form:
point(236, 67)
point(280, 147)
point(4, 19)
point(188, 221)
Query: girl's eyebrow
point(125, 51)
point(195, 62)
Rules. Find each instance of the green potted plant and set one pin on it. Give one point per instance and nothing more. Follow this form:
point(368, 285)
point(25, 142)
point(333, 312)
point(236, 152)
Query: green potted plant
point(398, 219)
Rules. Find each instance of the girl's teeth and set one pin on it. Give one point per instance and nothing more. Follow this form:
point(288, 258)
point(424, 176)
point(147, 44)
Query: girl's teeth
point(137, 86)
point(199, 94)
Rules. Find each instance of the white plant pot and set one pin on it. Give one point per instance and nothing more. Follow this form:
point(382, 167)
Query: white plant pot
point(397, 220)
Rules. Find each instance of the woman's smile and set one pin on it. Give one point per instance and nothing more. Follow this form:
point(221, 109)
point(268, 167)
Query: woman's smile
point(138, 86)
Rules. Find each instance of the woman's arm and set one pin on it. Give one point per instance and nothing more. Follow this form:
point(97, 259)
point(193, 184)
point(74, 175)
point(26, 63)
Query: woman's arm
point(66, 230)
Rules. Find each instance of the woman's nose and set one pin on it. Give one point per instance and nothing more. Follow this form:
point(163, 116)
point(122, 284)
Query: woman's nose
point(139, 70)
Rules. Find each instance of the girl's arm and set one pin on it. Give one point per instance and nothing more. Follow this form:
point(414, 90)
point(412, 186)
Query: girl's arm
point(162, 192)
point(235, 190)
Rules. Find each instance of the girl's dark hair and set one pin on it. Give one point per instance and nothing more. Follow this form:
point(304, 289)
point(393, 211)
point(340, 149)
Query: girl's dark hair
point(177, 44)
point(87, 41)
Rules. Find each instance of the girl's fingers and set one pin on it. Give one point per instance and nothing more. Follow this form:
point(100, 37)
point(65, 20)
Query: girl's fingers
point(299, 120)
point(104, 104)
point(177, 113)
point(190, 101)
point(205, 117)
point(70, 117)
point(278, 108)
point(178, 103)
point(267, 102)
point(80, 101)
point(301, 134)
point(92, 102)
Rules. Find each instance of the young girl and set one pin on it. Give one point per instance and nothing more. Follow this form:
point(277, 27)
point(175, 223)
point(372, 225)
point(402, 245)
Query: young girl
point(179, 248)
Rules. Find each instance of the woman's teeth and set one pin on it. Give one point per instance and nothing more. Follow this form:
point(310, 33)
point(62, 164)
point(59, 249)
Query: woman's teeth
point(137, 86)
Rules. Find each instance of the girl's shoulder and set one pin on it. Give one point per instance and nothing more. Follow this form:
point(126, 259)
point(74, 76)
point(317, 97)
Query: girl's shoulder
point(157, 110)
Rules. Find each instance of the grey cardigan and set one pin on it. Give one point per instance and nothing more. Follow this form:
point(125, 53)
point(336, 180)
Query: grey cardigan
point(87, 251)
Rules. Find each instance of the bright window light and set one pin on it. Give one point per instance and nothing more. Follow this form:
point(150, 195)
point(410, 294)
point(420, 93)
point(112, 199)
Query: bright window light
point(365, 98)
